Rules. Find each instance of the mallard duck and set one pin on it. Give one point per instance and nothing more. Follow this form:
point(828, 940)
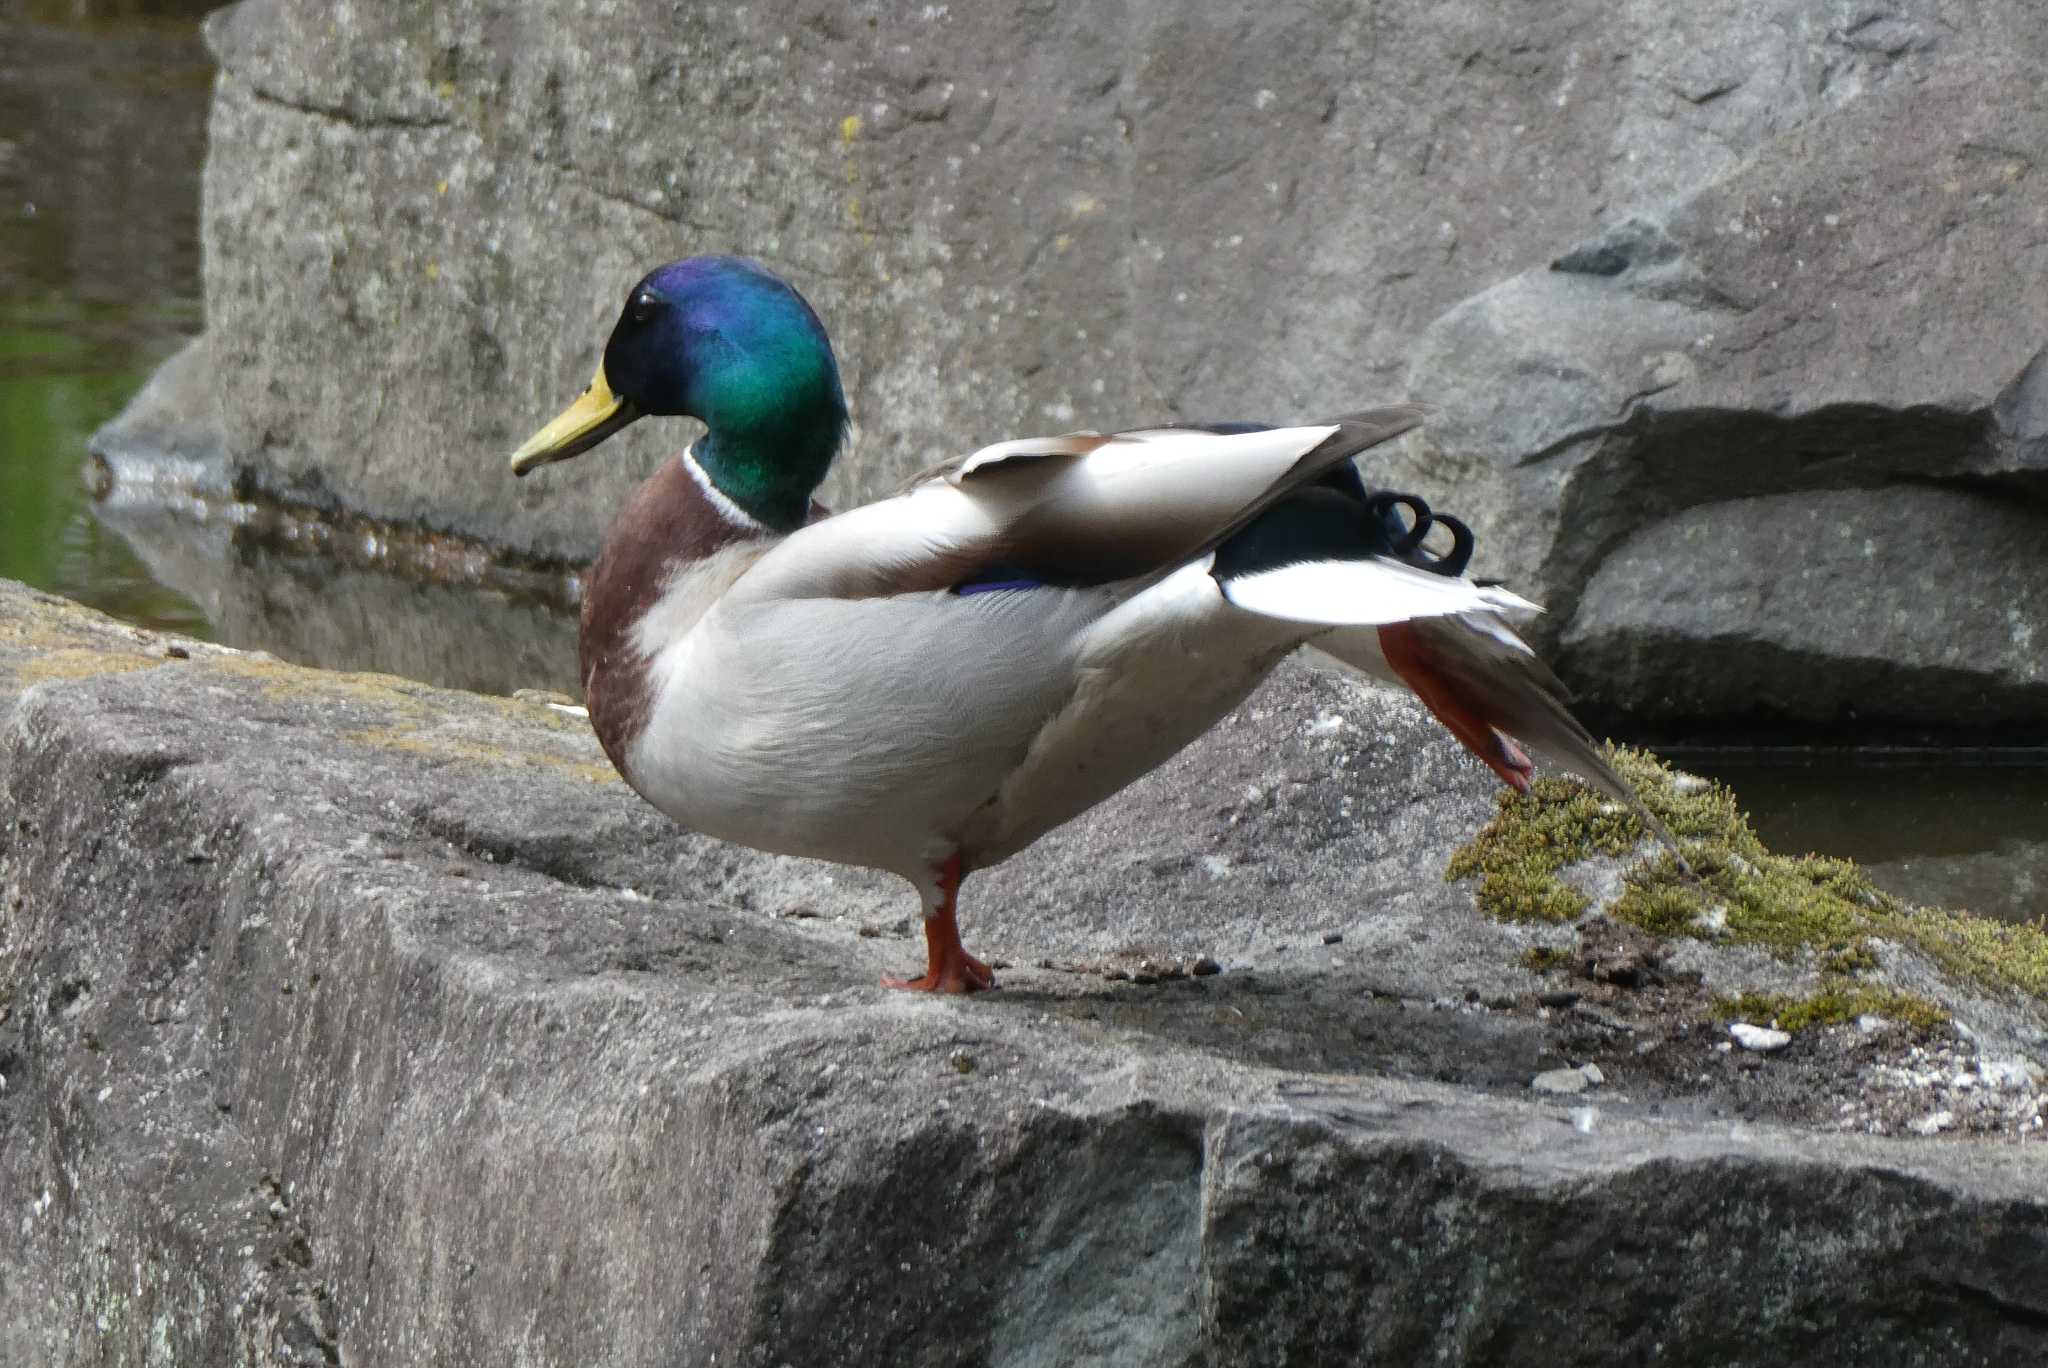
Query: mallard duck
point(929, 683)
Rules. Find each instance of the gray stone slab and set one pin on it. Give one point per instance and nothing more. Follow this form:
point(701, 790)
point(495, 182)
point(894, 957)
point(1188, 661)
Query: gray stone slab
point(349, 1020)
point(1841, 606)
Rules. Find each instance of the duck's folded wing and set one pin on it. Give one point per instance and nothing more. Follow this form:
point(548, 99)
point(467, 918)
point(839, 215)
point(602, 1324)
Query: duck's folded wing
point(1082, 509)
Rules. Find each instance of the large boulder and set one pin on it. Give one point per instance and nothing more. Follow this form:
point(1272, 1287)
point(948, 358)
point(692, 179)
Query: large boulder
point(1903, 605)
point(1650, 264)
point(420, 219)
point(347, 1020)
point(1777, 452)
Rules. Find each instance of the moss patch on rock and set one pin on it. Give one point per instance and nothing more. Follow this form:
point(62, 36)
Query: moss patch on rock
point(1989, 952)
point(1518, 855)
point(1839, 1002)
point(1541, 959)
point(1799, 907)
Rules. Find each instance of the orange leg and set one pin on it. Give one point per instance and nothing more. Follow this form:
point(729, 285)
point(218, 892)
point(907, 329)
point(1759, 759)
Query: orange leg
point(1410, 659)
point(948, 966)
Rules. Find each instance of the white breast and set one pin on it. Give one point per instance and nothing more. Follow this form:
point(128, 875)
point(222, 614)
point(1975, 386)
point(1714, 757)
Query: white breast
point(859, 731)
point(889, 732)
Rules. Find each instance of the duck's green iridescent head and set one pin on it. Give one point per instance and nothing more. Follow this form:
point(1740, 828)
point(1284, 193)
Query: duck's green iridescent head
point(725, 340)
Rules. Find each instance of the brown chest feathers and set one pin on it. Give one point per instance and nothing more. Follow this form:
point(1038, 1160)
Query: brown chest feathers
point(669, 524)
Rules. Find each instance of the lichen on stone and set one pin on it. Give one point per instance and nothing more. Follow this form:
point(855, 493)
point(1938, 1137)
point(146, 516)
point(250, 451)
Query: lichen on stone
point(449, 749)
point(81, 663)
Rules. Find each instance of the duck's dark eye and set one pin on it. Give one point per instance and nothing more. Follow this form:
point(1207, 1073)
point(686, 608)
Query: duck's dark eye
point(641, 306)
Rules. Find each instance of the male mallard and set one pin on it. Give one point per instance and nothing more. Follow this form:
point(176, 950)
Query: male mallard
point(930, 683)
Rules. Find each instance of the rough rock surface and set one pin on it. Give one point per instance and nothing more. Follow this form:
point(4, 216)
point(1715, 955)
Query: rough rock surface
point(1652, 265)
point(1839, 632)
point(1792, 425)
point(348, 1020)
point(420, 220)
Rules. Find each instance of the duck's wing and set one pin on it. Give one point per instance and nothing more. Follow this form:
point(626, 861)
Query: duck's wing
point(1076, 510)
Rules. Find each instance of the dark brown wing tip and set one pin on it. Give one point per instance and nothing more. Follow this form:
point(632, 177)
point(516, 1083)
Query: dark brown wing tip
point(1388, 420)
point(1361, 431)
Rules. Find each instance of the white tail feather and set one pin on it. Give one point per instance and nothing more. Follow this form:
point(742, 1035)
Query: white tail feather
point(1365, 593)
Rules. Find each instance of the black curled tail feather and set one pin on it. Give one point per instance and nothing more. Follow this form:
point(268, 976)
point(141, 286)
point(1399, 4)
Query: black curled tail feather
point(1406, 536)
point(1339, 518)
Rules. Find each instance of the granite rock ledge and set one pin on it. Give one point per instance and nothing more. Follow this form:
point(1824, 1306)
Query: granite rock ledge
point(346, 1020)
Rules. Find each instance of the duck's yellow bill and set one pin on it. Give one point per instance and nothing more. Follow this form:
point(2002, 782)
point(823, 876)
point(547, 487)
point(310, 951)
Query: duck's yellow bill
point(596, 415)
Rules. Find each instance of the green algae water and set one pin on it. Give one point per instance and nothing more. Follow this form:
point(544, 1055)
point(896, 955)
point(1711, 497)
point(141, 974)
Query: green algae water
point(102, 131)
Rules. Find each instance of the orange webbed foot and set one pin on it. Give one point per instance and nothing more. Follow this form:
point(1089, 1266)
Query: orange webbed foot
point(948, 966)
point(963, 975)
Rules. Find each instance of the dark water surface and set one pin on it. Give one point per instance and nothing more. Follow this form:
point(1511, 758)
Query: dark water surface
point(103, 112)
point(1931, 828)
point(102, 131)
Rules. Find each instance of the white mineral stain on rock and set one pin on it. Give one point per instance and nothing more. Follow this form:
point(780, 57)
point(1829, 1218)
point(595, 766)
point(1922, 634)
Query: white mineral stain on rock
point(1934, 1123)
point(1762, 1039)
point(1568, 1080)
point(2015, 1074)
